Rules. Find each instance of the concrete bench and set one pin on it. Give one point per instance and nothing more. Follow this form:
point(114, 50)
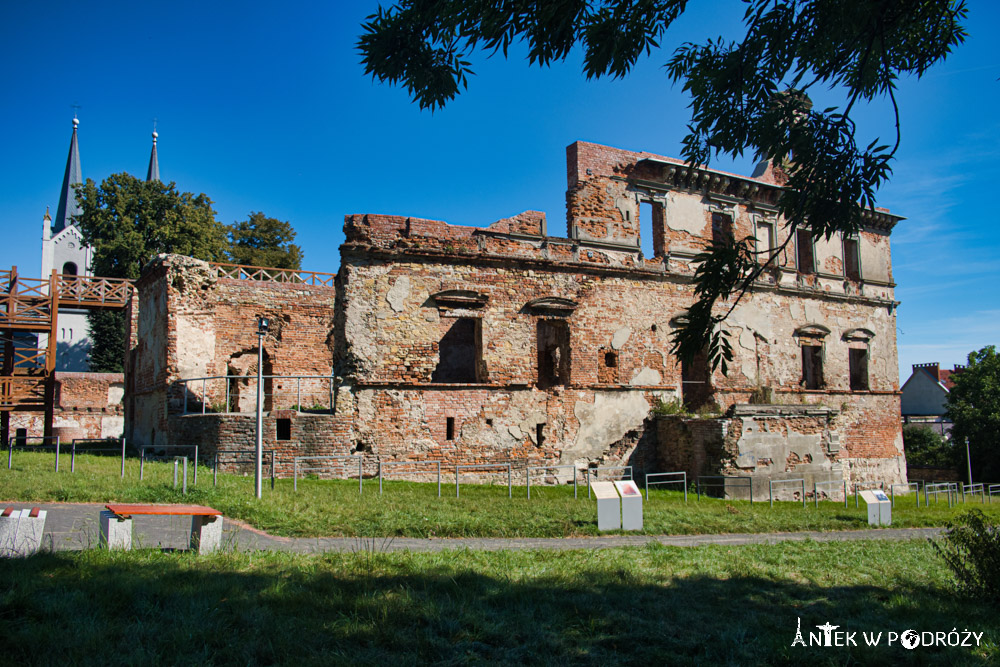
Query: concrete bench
point(21, 531)
point(206, 524)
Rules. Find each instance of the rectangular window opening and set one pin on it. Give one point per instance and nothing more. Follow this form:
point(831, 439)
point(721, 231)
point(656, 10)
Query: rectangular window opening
point(553, 353)
point(449, 428)
point(539, 434)
point(460, 352)
point(804, 251)
point(646, 213)
point(852, 259)
point(812, 366)
point(284, 429)
point(765, 241)
point(859, 369)
point(722, 228)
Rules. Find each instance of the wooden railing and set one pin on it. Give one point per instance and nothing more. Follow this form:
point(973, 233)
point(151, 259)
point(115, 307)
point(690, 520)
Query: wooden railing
point(292, 276)
point(93, 291)
point(25, 392)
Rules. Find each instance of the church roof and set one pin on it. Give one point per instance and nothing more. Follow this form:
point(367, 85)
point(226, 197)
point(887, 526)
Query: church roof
point(67, 196)
point(153, 172)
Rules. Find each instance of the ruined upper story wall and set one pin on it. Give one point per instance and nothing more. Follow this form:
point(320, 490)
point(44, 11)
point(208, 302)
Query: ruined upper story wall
point(616, 197)
point(89, 391)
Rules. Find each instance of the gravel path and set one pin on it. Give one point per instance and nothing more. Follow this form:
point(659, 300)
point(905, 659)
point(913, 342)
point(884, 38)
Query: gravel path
point(71, 526)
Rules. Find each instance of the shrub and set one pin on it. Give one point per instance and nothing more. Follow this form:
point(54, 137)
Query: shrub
point(971, 548)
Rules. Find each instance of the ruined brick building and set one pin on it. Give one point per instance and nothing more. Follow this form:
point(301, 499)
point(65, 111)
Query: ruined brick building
point(503, 343)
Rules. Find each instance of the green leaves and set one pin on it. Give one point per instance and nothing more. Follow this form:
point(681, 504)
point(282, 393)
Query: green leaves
point(128, 221)
point(973, 405)
point(263, 241)
point(746, 96)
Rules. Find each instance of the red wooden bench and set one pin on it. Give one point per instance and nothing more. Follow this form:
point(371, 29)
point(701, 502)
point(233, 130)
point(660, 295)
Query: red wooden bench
point(206, 524)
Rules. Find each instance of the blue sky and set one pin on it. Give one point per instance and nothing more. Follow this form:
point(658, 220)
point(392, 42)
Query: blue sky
point(264, 107)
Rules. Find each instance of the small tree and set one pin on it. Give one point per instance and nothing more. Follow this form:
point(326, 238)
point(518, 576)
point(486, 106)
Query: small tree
point(263, 241)
point(973, 406)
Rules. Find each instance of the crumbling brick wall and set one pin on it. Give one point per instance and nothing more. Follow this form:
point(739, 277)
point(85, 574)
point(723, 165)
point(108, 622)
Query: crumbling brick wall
point(498, 343)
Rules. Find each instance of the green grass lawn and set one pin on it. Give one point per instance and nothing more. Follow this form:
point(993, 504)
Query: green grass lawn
point(654, 605)
point(332, 508)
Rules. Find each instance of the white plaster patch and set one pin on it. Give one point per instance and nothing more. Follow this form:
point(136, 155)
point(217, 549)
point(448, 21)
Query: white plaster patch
point(646, 376)
point(398, 292)
point(684, 213)
point(620, 338)
point(605, 422)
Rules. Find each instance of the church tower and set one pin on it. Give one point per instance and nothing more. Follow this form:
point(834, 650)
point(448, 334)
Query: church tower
point(63, 249)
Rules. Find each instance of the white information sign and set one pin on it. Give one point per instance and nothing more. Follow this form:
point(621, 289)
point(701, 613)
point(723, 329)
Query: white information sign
point(879, 507)
point(631, 505)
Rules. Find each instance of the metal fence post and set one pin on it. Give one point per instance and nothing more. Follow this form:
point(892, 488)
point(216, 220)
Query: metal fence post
point(57, 453)
point(456, 480)
point(175, 473)
point(380, 477)
point(72, 457)
point(574, 482)
point(10, 453)
point(204, 396)
point(439, 479)
point(295, 476)
point(527, 477)
point(195, 465)
point(770, 491)
point(273, 464)
point(803, 493)
point(588, 483)
point(215, 471)
point(185, 411)
point(685, 478)
point(142, 461)
point(123, 457)
point(298, 394)
point(184, 490)
point(510, 486)
point(361, 477)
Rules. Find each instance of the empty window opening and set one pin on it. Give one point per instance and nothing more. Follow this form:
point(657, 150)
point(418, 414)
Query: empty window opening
point(449, 428)
point(539, 434)
point(489, 422)
point(859, 369)
point(722, 228)
point(460, 352)
point(21, 436)
point(765, 241)
point(646, 228)
point(360, 448)
point(804, 251)
point(852, 259)
point(812, 366)
point(284, 429)
point(607, 367)
point(696, 388)
point(553, 353)
point(69, 269)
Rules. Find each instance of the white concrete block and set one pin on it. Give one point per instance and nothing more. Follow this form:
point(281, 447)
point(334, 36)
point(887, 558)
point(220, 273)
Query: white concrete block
point(21, 533)
point(116, 532)
point(206, 533)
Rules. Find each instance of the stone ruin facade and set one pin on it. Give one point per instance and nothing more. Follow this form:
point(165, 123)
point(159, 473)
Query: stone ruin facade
point(437, 342)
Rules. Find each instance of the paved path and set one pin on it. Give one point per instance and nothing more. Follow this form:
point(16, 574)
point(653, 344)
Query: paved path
point(71, 526)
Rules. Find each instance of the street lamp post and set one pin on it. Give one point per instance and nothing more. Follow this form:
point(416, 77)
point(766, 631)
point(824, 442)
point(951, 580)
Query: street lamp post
point(262, 325)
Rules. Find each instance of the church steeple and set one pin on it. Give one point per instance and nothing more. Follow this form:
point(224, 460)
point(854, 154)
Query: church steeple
point(67, 196)
point(153, 173)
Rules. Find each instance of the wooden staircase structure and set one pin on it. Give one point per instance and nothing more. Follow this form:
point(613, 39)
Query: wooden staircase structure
point(31, 305)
